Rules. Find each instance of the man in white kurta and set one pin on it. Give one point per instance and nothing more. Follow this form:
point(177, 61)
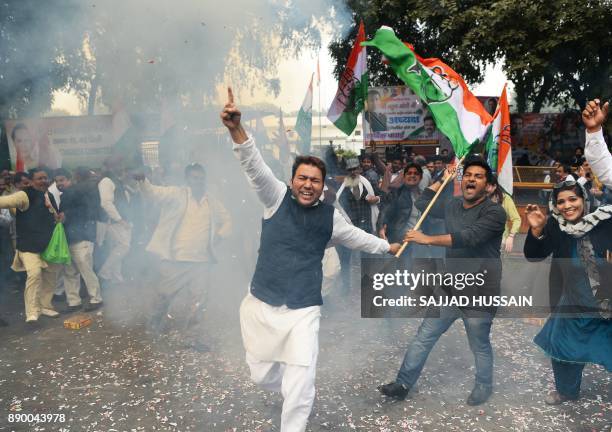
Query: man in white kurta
point(190, 223)
point(281, 340)
point(596, 152)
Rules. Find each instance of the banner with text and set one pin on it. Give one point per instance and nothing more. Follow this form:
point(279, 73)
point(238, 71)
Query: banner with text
point(395, 115)
point(59, 141)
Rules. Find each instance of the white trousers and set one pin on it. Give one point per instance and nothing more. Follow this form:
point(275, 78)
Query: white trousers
point(296, 383)
point(119, 237)
point(82, 265)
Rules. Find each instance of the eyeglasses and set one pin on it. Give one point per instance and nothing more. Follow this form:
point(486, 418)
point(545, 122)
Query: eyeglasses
point(568, 183)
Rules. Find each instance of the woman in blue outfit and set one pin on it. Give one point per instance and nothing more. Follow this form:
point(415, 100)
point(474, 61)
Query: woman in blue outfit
point(579, 330)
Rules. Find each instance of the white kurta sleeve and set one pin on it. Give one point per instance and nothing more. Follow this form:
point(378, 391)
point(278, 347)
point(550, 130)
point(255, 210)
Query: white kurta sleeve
point(269, 189)
point(351, 237)
point(599, 157)
point(106, 187)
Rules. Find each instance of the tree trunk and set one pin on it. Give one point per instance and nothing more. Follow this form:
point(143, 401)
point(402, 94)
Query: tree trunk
point(521, 96)
point(93, 92)
point(538, 101)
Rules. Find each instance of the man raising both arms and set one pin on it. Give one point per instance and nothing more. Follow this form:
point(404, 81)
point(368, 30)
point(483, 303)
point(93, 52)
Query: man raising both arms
point(280, 316)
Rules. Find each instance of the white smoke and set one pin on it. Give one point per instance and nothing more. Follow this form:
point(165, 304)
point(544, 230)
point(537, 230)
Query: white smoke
point(147, 52)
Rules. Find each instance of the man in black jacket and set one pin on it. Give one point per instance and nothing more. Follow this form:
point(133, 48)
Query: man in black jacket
point(80, 204)
point(475, 225)
point(36, 214)
point(399, 214)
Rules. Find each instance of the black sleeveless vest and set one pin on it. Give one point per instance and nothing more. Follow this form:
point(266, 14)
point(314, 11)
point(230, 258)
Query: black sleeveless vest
point(35, 225)
point(289, 270)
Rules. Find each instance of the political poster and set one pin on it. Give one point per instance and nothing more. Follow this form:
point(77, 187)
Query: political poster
point(395, 115)
point(56, 142)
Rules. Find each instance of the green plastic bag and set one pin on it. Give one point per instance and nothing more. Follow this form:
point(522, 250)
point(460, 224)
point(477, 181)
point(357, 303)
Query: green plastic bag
point(57, 251)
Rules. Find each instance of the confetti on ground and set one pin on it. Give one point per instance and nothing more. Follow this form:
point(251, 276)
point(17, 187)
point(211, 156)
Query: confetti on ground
point(116, 376)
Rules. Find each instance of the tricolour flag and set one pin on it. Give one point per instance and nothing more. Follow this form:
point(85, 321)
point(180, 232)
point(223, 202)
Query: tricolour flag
point(499, 151)
point(303, 124)
point(457, 112)
point(352, 88)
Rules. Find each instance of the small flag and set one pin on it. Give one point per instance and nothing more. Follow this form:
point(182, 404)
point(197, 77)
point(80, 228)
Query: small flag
point(352, 88)
point(499, 149)
point(303, 124)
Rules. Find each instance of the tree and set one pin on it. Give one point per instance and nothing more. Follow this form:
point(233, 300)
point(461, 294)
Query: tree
point(559, 52)
point(178, 53)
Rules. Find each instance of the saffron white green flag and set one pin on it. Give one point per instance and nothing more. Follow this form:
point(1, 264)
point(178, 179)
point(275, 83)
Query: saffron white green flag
point(352, 88)
point(499, 150)
point(303, 124)
point(458, 113)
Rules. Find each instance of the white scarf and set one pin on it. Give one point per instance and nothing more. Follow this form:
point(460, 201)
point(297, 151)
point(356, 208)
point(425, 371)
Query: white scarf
point(363, 183)
point(588, 221)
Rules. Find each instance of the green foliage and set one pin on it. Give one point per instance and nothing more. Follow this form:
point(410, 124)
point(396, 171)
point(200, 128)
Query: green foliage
point(345, 154)
point(555, 51)
point(37, 53)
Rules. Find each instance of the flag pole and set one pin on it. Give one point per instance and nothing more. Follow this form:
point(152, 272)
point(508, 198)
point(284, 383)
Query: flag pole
point(429, 206)
point(319, 82)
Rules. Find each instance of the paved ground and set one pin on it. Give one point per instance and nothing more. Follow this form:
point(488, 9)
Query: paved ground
point(116, 376)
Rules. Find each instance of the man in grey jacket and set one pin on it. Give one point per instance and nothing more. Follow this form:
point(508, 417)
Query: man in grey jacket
point(189, 224)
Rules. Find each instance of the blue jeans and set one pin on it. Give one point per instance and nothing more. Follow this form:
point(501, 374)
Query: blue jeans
point(477, 326)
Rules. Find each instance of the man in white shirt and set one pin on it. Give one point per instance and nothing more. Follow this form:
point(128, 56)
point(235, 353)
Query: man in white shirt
point(114, 200)
point(279, 318)
point(596, 151)
point(190, 223)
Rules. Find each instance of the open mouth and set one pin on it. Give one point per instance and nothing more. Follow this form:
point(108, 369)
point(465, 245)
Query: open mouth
point(306, 195)
point(470, 187)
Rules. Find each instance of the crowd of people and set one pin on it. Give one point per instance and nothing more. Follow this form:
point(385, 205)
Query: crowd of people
point(280, 320)
point(372, 209)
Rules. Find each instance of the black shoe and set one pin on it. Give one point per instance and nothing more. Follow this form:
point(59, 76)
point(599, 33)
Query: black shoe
point(71, 309)
point(480, 394)
point(92, 307)
point(59, 297)
point(394, 390)
point(198, 346)
point(556, 398)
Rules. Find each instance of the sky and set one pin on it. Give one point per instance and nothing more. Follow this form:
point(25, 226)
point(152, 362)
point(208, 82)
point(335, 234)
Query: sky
point(295, 75)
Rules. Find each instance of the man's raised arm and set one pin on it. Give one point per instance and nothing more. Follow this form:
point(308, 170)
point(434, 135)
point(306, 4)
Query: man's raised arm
point(18, 200)
point(596, 152)
point(269, 189)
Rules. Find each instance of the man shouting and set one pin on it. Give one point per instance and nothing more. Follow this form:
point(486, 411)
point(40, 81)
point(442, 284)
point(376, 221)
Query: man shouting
point(280, 316)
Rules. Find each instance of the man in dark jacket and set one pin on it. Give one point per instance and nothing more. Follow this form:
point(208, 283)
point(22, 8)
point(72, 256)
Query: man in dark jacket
point(399, 214)
point(80, 204)
point(475, 225)
point(36, 214)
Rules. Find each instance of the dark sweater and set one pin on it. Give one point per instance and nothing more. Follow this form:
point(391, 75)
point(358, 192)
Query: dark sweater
point(476, 235)
point(564, 278)
point(289, 270)
point(476, 232)
point(35, 225)
point(80, 205)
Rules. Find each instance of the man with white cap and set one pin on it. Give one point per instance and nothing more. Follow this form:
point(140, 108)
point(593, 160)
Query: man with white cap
point(359, 204)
